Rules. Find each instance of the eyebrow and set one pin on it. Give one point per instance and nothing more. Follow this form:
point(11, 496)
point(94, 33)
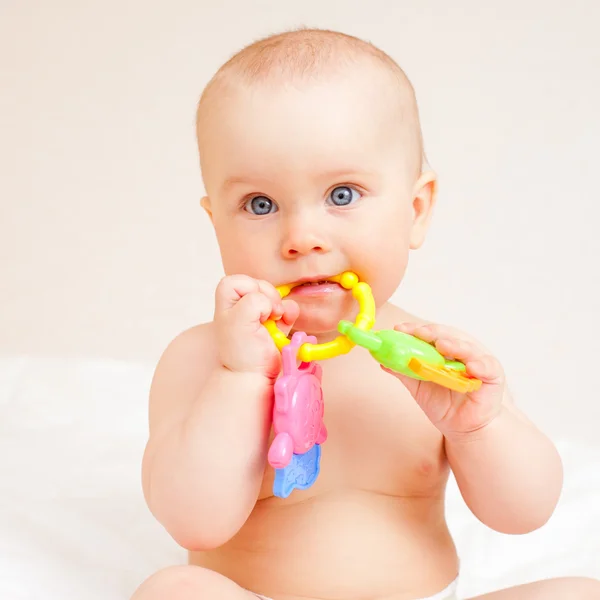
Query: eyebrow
point(235, 180)
point(335, 174)
point(347, 173)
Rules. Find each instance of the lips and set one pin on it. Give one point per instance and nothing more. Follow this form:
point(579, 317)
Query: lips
point(319, 282)
point(321, 286)
point(318, 279)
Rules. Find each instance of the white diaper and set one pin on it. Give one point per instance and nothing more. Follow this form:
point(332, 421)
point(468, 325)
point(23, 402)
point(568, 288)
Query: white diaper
point(448, 593)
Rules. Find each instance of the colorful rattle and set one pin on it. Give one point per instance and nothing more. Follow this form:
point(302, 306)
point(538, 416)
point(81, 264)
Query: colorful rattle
point(295, 452)
point(297, 421)
point(342, 344)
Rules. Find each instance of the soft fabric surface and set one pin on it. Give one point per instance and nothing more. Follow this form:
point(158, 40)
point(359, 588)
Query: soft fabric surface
point(73, 523)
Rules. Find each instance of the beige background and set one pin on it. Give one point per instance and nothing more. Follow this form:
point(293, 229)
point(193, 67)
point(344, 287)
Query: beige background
point(104, 251)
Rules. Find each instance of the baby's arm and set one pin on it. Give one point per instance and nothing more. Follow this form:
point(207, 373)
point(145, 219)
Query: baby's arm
point(210, 415)
point(509, 473)
point(206, 454)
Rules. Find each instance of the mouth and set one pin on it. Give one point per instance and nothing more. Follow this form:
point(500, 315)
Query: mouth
point(313, 286)
point(314, 282)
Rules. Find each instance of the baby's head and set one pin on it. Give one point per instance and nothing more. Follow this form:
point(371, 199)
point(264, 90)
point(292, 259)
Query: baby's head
point(312, 159)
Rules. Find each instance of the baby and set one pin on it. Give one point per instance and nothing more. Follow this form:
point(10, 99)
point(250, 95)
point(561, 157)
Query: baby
point(312, 158)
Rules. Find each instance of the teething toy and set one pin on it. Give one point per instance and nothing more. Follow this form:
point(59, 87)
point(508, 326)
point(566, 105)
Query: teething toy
point(297, 421)
point(295, 452)
point(341, 345)
point(300, 474)
point(411, 356)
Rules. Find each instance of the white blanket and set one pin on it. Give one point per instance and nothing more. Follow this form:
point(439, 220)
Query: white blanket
point(73, 523)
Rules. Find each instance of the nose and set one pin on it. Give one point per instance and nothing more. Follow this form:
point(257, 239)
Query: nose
point(304, 235)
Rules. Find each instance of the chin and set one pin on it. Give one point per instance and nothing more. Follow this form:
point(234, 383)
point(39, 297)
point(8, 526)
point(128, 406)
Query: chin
point(321, 318)
point(319, 327)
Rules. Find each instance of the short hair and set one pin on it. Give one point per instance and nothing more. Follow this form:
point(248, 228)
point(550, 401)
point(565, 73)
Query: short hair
point(302, 54)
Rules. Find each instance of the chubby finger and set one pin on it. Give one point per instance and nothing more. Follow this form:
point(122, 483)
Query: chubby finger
point(233, 288)
point(427, 333)
point(252, 308)
point(487, 368)
point(406, 327)
point(291, 311)
point(412, 385)
point(432, 333)
point(458, 349)
point(271, 292)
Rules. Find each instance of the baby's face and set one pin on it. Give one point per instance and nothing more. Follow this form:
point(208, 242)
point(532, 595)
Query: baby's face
point(309, 181)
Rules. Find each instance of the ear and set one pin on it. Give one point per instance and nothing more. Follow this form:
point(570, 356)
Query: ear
point(424, 197)
point(205, 204)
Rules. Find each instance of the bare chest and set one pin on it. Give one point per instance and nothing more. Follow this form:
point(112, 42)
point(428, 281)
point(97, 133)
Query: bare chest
point(378, 439)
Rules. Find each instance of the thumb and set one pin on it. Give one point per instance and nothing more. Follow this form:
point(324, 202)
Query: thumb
point(291, 311)
point(411, 384)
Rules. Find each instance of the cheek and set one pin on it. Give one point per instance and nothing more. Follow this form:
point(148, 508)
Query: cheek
point(381, 254)
point(384, 274)
point(242, 251)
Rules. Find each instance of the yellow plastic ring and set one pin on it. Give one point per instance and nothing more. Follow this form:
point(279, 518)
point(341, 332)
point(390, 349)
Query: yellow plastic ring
point(341, 345)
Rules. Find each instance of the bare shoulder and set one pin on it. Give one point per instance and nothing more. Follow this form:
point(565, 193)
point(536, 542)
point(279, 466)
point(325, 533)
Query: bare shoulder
point(395, 315)
point(181, 373)
point(390, 315)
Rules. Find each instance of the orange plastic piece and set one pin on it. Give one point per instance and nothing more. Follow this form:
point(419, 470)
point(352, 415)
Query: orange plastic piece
point(449, 378)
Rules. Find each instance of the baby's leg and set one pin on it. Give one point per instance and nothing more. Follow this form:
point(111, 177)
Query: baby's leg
point(190, 583)
point(573, 588)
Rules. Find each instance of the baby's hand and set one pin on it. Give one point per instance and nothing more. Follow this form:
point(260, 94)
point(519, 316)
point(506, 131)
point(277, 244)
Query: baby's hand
point(242, 305)
point(451, 412)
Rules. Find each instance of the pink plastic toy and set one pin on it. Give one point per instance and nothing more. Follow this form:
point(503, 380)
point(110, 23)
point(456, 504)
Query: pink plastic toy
point(298, 409)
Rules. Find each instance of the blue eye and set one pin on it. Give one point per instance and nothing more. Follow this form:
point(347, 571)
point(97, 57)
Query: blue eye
point(260, 205)
point(343, 196)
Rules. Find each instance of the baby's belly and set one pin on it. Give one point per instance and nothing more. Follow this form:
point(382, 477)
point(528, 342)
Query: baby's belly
point(343, 545)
